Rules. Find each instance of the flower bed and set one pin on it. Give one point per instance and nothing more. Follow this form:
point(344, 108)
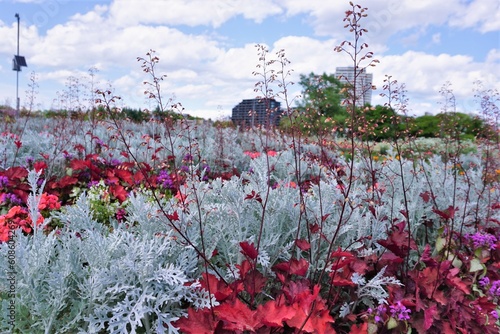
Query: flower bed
point(265, 242)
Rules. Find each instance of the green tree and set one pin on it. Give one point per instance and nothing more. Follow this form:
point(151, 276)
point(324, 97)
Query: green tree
point(382, 122)
point(321, 93)
point(320, 108)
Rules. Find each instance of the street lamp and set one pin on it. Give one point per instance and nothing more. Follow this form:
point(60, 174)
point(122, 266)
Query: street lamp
point(17, 63)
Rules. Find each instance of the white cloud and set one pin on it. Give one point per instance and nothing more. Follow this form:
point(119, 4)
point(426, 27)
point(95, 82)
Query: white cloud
point(209, 77)
point(424, 75)
point(481, 14)
point(493, 56)
point(191, 12)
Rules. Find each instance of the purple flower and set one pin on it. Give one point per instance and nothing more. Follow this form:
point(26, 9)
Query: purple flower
point(110, 182)
point(10, 198)
point(14, 199)
point(494, 314)
point(484, 281)
point(92, 184)
point(188, 157)
point(483, 240)
point(165, 180)
point(67, 156)
point(399, 311)
point(495, 289)
point(184, 169)
point(4, 180)
point(114, 162)
point(29, 160)
point(205, 168)
point(380, 311)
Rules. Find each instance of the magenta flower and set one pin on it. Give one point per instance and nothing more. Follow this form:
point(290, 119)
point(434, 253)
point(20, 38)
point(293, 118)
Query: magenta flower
point(399, 311)
point(482, 240)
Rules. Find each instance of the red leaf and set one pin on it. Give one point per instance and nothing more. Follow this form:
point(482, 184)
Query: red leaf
point(18, 143)
point(220, 290)
point(429, 315)
point(119, 192)
point(294, 291)
point(138, 177)
point(254, 195)
point(237, 317)
point(426, 196)
point(311, 315)
point(249, 250)
point(427, 257)
point(339, 281)
point(18, 173)
point(341, 259)
point(124, 175)
point(244, 268)
point(174, 216)
point(80, 164)
point(197, 322)
point(446, 214)
point(303, 244)
point(457, 281)
point(398, 242)
point(67, 181)
point(273, 315)
point(293, 267)
point(254, 282)
point(40, 165)
point(314, 228)
point(361, 329)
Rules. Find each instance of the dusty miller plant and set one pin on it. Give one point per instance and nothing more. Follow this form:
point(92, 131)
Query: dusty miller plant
point(87, 279)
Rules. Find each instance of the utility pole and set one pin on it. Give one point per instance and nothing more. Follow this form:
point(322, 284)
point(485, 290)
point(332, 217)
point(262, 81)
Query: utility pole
point(17, 63)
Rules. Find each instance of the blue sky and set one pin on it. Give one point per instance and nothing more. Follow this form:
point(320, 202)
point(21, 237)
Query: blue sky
point(207, 48)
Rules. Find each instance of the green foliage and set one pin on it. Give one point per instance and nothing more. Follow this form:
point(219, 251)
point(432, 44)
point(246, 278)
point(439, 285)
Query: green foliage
point(384, 122)
point(456, 125)
point(321, 93)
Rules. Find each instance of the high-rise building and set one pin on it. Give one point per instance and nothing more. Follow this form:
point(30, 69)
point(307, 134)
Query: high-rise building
point(254, 112)
point(364, 81)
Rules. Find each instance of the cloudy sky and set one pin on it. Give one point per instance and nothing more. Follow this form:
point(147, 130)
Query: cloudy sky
point(207, 47)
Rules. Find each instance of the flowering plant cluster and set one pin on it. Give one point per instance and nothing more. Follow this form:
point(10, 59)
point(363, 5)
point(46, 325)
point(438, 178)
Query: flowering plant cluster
point(18, 216)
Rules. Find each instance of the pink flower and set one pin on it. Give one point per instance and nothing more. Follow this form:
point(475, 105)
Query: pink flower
point(252, 155)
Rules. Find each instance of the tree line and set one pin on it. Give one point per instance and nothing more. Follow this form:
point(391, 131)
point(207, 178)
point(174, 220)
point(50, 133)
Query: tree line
point(321, 109)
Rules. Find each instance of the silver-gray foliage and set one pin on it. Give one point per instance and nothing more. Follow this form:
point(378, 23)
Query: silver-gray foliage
point(87, 279)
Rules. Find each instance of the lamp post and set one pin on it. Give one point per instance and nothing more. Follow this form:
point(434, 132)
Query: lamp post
point(19, 68)
point(17, 63)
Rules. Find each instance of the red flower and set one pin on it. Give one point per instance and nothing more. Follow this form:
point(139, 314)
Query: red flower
point(49, 202)
point(18, 217)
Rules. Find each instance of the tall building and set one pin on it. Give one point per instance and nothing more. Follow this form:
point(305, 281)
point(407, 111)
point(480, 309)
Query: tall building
point(254, 112)
point(363, 83)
